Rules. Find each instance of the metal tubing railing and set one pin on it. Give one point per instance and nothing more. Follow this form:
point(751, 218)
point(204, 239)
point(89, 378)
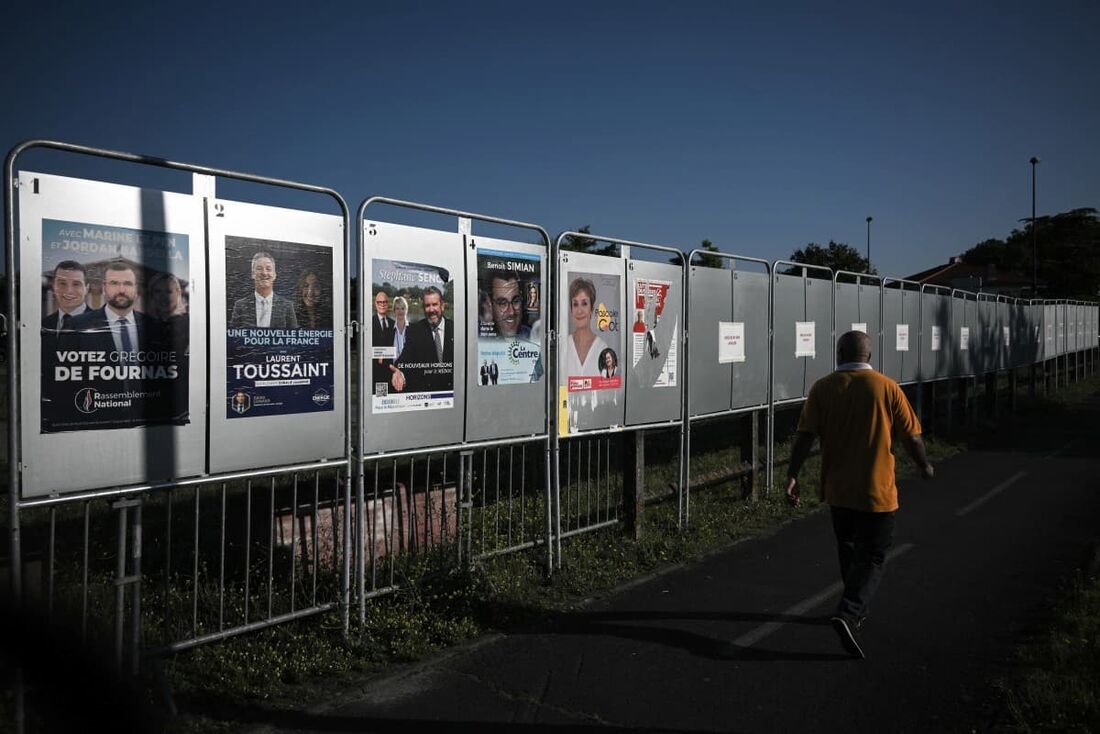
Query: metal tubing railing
point(771, 310)
point(555, 256)
point(16, 502)
point(732, 259)
point(363, 364)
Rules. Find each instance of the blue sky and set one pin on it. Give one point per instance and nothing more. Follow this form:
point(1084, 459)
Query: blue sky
point(761, 126)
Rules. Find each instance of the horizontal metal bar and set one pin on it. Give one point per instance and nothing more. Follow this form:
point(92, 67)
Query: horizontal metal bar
point(724, 413)
point(191, 482)
point(621, 429)
point(590, 528)
point(455, 447)
point(127, 580)
point(450, 212)
point(628, 243)
point(243, 629)
point(510, 549)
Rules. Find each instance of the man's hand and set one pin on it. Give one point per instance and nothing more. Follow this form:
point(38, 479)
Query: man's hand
point(927, 471)
point(793, 497)
point(397, 379)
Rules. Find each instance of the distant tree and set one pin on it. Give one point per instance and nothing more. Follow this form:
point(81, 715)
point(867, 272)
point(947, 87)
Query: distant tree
point(835, 255)
point(577, 243)
point(1069, 253)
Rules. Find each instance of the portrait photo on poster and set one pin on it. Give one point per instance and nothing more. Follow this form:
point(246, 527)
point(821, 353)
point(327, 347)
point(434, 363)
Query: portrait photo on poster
point(590, 355)
point(115, 330)
point(412, 337)
point(509, 318)
point(279, 328)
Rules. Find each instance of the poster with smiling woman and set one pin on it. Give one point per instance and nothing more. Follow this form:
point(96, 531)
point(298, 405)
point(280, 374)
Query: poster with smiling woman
point(590, 356)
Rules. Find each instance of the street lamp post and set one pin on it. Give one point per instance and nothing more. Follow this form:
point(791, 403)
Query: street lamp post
point(869, 244)
point(1034, 241)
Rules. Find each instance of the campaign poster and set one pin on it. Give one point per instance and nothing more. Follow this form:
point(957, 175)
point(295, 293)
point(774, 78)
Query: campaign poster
point(936, 338)
point(964, 338)
point(115, 327)
point(649, 309)
point(412, 337)
point(592, 371)
point(279, 328)
point(509, 318)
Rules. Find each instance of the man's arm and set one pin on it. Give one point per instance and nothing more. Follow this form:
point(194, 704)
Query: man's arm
point(803, 443)
point(915, 446)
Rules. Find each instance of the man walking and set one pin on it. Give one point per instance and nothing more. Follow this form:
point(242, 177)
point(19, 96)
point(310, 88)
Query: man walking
point(854, 413)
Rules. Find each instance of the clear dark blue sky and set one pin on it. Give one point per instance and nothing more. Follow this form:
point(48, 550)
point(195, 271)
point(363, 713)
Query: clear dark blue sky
point(761, 126)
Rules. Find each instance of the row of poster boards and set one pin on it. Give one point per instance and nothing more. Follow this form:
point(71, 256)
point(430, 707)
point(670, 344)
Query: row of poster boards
point(168, 336)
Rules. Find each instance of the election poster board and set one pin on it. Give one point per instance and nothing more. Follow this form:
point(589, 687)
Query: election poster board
point(414, 358)
point(413, 365)
point(506, 388)
point(509, 324)
point(652, 331)
point(113, 353)
point(277, 335)
point(590, 352)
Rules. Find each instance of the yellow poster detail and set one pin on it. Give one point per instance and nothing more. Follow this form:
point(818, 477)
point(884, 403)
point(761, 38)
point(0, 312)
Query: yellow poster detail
point(563, 411)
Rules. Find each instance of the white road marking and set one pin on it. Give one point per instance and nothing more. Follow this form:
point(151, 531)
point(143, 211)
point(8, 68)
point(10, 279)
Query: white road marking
point(751, 638)
point(1057, 452)
point(991, 493)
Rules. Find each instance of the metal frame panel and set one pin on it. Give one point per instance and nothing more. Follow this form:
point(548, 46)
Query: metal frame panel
point(789, 306)
point(936, 318)
point(901, 307)
point(596, 409)
point(107, 457)
point(253, 442)
point(647, 401)
point(399, 428)
point(750, 378)
point(502, 410)
point(710, 293)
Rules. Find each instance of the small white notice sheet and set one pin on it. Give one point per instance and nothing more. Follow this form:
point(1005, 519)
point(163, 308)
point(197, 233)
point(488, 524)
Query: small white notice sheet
point(902, 341)
point(1004, 330)
point(731, 341)
point(964, 338)
point(859, 327)
point(805, 340)
point(936, 338)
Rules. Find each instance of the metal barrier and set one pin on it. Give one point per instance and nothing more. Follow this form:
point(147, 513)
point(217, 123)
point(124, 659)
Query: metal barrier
point(595, 416)
point(258, 559)
point(734, 406)
point(484, 496)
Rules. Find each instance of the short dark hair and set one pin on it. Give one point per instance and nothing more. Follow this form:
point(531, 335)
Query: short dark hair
point(435, 290)
point(70, 265)
point(119, 265)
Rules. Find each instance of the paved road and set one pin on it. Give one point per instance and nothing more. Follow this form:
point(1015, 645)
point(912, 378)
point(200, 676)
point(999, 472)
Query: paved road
point(740, 642)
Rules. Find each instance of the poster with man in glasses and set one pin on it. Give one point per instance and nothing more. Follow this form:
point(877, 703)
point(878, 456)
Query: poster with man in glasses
point(509, 350)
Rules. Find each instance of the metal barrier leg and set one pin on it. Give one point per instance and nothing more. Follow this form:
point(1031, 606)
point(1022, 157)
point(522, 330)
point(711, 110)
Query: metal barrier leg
point(633, 471)
point(950, 405)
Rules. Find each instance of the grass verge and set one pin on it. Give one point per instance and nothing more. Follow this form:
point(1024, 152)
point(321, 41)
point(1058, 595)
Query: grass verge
point(1056, 685)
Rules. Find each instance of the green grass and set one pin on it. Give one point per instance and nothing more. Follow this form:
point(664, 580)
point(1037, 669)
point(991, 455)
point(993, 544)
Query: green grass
point(1056, 685)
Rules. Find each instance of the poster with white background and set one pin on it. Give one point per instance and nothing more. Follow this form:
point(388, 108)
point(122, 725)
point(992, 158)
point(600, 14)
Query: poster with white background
point(964, 338)
point(805, 339)
point(731, 341)
point(936, 338)
point(902, 338)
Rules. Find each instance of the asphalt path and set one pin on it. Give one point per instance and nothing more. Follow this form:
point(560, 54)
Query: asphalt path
point(740, 642)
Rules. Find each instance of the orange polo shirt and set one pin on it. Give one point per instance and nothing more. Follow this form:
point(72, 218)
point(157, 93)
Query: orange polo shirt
point(854, 414)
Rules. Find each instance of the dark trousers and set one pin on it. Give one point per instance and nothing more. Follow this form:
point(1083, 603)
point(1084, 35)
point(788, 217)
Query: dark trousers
point(862, 540)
